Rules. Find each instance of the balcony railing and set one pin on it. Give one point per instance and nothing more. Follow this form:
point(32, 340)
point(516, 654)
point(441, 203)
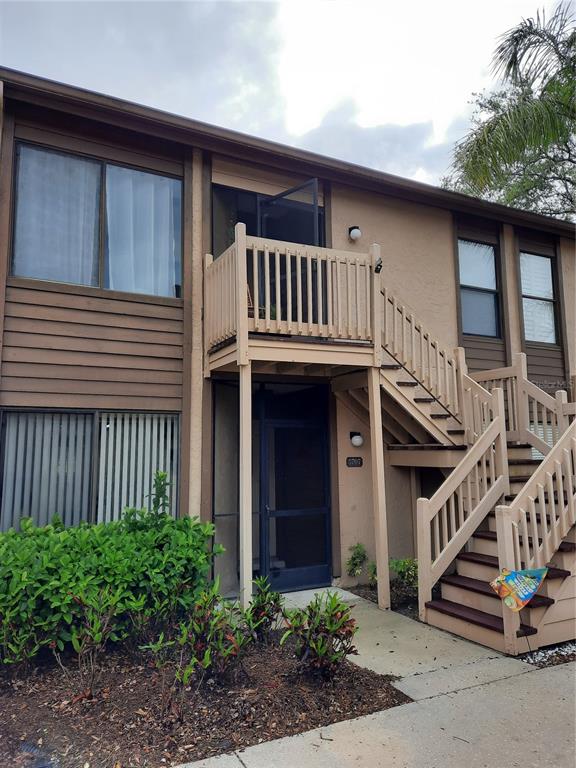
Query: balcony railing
point(271, 287)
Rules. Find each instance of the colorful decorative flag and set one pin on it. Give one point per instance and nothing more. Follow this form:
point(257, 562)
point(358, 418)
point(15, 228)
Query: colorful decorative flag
point(517, 588)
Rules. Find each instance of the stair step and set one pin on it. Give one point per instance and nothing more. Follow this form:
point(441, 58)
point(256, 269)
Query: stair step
point(423, 399)
point(518, 445)
point(406, 383)
point(492, 562)
point(440, 415)
point(520, 462)
point(474, 616)
point(390, 367)
point(564, 546)
point(456, 431)
point(426, 447)
point(484, 588)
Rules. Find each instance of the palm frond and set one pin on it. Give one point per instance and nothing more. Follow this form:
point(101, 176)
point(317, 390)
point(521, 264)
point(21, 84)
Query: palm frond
point(537, 48)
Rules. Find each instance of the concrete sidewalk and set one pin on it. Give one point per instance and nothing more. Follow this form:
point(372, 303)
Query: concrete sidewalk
point(472, 708)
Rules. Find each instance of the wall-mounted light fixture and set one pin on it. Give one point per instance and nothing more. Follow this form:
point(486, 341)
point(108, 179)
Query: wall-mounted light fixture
point(356, 439)
point(354, 233)
point(378, 266)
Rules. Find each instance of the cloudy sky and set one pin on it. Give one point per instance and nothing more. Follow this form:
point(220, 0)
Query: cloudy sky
point(383, 83)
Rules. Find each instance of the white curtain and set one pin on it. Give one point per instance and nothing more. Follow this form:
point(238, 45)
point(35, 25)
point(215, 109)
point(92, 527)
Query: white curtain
point(56, 227)
point(143, 232)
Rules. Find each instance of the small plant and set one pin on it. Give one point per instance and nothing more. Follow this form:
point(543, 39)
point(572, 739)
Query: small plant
point(265, 609)
point(323, 632)
point(406, 570)
point(160, 498)
point(357, 560)
point(162, 653)
point(372, 574)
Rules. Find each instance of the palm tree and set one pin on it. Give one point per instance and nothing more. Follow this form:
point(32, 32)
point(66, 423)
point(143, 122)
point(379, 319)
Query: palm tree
point(537, 63)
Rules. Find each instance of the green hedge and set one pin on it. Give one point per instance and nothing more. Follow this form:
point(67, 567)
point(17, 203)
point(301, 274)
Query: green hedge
point(97, 583)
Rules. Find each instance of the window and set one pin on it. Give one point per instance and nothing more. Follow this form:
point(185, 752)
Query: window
point(478, 289)
point(69, 464)
point(89, 222)
point(538, 298)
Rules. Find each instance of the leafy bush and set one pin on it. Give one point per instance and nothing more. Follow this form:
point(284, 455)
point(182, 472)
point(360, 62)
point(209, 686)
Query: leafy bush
point(372, 573)
point(406, 570)
point(265, 609)
point(323, 632)
point(84, 586)
point(357, 560)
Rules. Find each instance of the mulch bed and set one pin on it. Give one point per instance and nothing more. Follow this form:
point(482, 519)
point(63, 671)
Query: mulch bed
point(403, 599)
point(43, 726)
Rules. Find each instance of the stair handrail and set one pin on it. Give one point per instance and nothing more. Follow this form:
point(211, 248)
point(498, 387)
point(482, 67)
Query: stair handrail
point(409, 342)
point(532, 415)
point(447, 520)
point(531, 528)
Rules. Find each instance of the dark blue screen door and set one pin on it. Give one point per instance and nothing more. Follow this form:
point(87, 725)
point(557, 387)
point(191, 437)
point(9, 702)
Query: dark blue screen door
point(295, 504)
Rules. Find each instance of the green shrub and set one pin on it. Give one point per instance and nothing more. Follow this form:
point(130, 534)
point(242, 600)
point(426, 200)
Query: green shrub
point(323, 632)
point(86, 585)
point(265, 609)
point(372, 573)
point(406, 570)
point(357, 560)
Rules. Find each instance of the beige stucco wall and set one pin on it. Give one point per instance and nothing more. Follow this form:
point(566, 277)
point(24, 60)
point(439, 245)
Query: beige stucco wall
point(356, 521)
point(417, 252)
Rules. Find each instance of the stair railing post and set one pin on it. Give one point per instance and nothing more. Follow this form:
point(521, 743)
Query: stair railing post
point(507, 559)
point(461, 372)
point(501, 444)
point(522, 417)
point(562, 421)
point(376, 259)
point(424, 554)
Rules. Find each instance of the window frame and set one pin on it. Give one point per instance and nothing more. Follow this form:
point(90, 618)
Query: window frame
point(555, 300)
point(103, 162)
point(495, 292)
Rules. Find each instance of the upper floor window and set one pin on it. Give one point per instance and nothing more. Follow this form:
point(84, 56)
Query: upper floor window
point(478, 289)
point(538, 298)
point(90, 222)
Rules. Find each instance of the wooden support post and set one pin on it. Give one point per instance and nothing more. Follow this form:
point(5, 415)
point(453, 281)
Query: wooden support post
point(242, 294)
point(376, 305)
point(507, 559)
point(561, 415)
point(378, 487)
point(523, 416)
point(501, 445)
point(424, 551)
point(245, 475)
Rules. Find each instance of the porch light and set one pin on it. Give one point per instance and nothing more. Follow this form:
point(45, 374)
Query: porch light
point(354, 233)
point(356, 439)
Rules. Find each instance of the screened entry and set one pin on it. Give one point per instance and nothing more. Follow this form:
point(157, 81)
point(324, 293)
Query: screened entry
point(84, 466)
point(291, 539)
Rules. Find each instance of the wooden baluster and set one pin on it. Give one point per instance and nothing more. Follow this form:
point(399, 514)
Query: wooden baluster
point(437, 368)
point(329, 296)
point(412, 345)
point(256, 287)
point(535, 533)
point(385, 320)
point(309, 292)
point(349, 313)
point(562, 516)
point(535, 417)
point(525, 541)
point(461, 512)
point(453, 527)
point(278, 283)
point(403, 346)
point(445, 532)
point(470, 505)
point(517, 550)
point(358, 330)
point(570, 482)
point(368, 300)
point(299, 290)
point(289, 289)
point(544, 524)
point(552, 508)
point(267, 288)
point(394, 324)
point(339, 296)
point(437, 549)
point(319, 301)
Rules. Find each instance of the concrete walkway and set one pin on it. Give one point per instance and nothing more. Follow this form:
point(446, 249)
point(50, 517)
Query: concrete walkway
point(472, 708)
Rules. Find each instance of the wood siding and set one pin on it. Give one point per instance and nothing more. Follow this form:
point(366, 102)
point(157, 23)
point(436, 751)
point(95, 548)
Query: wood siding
point(68, 349)
point(484, 354)
point(546, 366)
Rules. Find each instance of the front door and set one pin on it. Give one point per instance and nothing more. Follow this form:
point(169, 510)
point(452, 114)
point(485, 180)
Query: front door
point(294, 490)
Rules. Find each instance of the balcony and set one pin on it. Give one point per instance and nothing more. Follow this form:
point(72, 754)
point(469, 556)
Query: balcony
point(287, 302)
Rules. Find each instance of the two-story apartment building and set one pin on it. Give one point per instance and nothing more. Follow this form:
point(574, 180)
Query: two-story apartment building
point(317, 353)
